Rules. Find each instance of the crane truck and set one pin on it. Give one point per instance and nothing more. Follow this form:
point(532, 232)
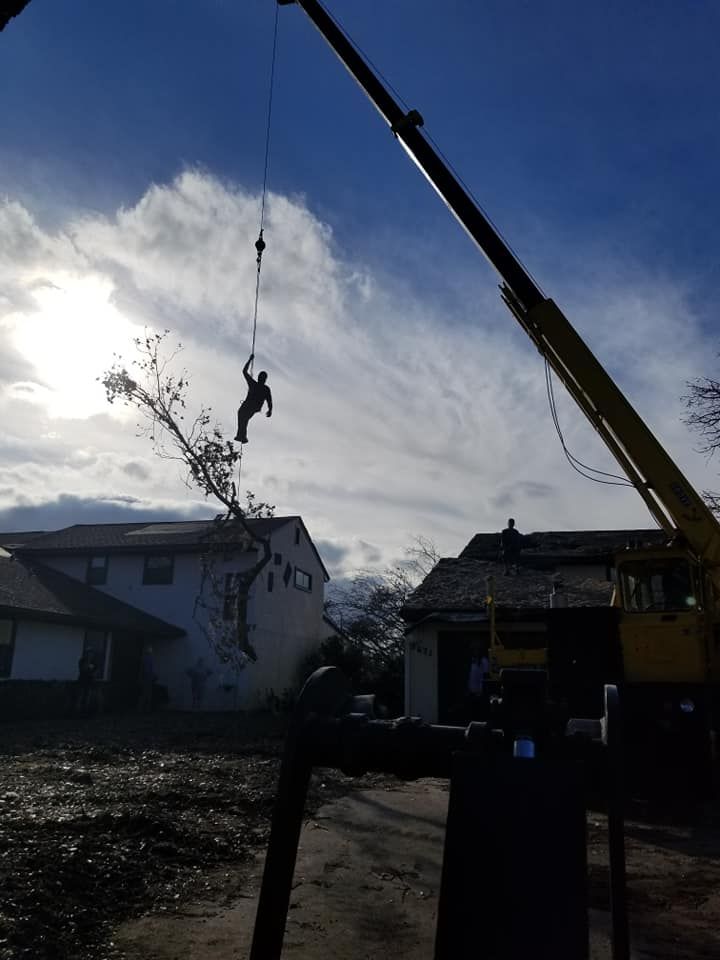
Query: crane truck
point(666, 600)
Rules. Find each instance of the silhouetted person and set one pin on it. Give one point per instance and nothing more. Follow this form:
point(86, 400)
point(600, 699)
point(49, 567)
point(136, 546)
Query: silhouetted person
point(85, 681)
point(198, 678)
point(146, 680)
point(258, 393)
point(511, 540)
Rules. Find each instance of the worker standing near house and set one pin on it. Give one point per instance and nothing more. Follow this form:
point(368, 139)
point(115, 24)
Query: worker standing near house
point(86, 678)
point(146, 680)
point(258, 394)
point(511, 541)
point(479, 669)
point(198, 674)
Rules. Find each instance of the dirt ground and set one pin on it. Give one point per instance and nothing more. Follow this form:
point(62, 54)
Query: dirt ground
point(367, 882)
point(144, 839)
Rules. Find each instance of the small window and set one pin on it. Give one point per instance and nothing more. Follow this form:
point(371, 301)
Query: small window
point(271, 581)
point(657, 585)
point(95, 645)
point(230, 597)
point(158, 568)
point(287, 574)
point(303, 581)
point(97, 569)
point(278, 559)
point(7, 647)
point(297, 535)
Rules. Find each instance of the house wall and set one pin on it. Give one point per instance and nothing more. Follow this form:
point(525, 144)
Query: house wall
point(437, 663)
point(287, 622)
point(46, 651)
point(284, 625)
point(421, 679)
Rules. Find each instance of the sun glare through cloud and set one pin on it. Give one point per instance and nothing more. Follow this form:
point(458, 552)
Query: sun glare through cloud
point(69, 339)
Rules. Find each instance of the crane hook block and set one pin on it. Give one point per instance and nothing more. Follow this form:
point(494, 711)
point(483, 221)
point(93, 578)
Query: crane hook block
point(259, 245)
point(413, 118)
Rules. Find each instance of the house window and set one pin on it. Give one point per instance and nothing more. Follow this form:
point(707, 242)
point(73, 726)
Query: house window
point(97, 569)
point(303, 581)
point(7, 646)
point(96, 645)
point(271, 581)
point(278, 559)
point(297, 535)
point(287, 574)
point(230, 597)
point(158, 568)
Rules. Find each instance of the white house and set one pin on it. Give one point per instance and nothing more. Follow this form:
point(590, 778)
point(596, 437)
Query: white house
point(47, 621)
point(156, 570)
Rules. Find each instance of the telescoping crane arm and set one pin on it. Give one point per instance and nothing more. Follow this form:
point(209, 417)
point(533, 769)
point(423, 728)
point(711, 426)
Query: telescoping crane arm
point(671, 499)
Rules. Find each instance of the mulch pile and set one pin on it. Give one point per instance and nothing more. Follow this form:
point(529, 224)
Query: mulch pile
point(113, 817)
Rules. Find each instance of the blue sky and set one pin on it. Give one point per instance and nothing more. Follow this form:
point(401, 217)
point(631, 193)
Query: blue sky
point(588, 132)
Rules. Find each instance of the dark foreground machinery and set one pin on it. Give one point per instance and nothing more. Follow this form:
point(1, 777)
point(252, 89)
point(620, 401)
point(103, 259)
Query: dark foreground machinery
point(515, 843)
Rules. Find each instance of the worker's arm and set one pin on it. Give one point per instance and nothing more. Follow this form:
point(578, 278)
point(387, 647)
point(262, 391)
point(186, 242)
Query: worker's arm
point(246, 369)
point(269, 403)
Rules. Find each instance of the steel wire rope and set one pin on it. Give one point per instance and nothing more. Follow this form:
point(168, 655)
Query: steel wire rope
point(574, 461)
point(260, 242)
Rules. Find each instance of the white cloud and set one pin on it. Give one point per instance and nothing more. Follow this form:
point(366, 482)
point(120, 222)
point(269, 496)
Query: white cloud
point(393, 416)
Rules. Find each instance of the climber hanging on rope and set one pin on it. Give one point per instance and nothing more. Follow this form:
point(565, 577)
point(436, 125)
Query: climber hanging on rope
point(258, 393)
point(258, 390)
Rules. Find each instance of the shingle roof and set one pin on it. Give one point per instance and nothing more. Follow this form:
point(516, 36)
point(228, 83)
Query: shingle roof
point(12, 541)
point(186, 536)
point(578, 546)
point(460, 585)
point(30, 590)
point(182, 536)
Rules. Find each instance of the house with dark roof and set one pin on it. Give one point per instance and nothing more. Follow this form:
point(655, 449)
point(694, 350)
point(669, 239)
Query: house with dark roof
point(564, 583)
point(47, 621)
point(116, 589)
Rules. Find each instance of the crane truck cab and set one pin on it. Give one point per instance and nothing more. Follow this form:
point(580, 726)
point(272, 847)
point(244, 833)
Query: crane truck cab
point(665, 628)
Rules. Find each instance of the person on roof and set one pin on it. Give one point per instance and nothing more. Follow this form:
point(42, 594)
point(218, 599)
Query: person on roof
point(258, 394)
point(511, 541)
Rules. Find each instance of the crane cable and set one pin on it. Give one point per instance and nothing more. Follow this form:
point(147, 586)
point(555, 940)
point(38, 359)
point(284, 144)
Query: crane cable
point(260, 242)
point(575, 463)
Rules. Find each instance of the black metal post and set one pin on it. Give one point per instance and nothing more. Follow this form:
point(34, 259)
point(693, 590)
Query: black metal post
point(324, 694)
point(612, 736)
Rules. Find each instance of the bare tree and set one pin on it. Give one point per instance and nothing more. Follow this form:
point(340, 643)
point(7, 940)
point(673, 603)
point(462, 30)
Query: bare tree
point(369, 606)
point(703, 404)
point(211, 463)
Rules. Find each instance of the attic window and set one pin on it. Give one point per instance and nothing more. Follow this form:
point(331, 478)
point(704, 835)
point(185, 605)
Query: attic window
point(287, 574)
point(297, 536)
point(303, 581)
point(97, 569)
point(277, 559)
point(158, 569)
point(7, 647)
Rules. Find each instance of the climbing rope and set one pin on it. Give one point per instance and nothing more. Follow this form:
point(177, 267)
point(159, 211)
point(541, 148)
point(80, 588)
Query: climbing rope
point(260, 242)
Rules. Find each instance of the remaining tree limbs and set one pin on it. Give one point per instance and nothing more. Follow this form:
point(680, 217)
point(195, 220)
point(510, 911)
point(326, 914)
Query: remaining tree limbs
point(160, 397)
